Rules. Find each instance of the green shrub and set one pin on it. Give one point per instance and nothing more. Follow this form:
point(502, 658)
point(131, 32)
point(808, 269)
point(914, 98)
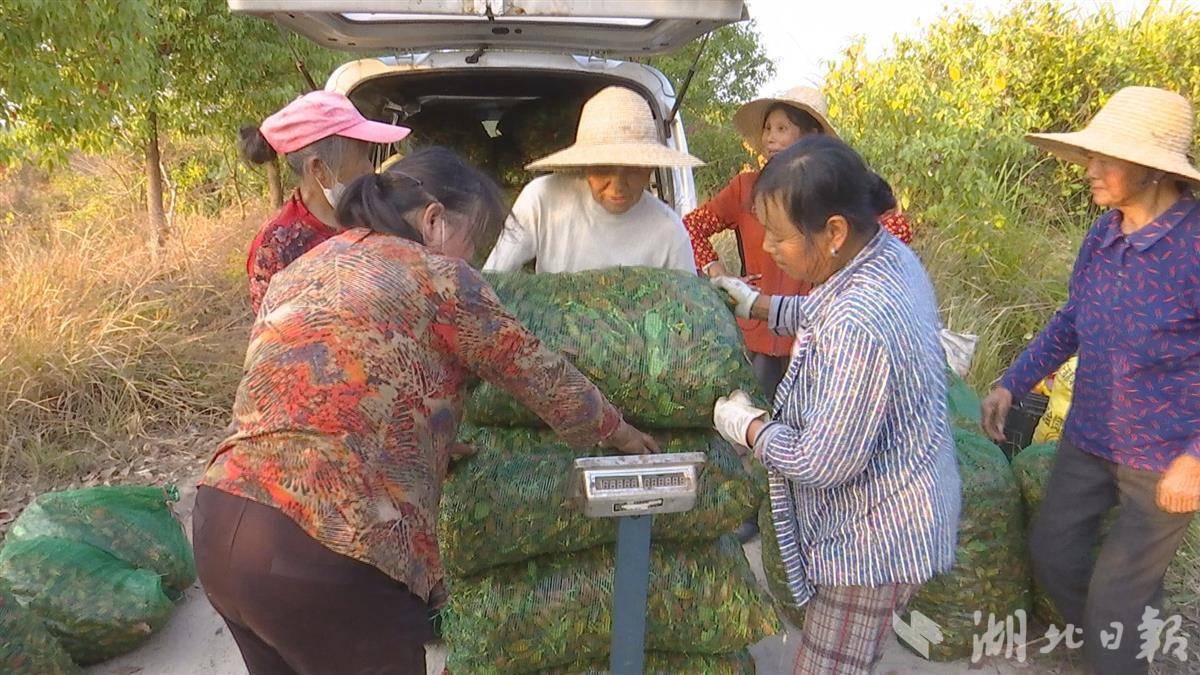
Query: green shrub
point(942, 115)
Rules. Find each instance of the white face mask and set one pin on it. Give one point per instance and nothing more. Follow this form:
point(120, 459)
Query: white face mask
point(333, 194)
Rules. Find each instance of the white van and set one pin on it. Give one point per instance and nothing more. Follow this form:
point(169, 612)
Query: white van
point(451, 65)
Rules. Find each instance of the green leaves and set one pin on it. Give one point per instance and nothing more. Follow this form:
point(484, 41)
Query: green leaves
point(97, 606)
point(991, 570)
point(555, 611)
point(511, 501)
point(942, 116)
point(81, 76)
point(730, 73)
point(26, 648)
point(660, 344)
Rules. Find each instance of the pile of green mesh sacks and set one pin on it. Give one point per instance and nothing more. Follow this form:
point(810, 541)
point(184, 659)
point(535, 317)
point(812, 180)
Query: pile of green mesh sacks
point(991, 572)
point(99, 568)
point(531, 577)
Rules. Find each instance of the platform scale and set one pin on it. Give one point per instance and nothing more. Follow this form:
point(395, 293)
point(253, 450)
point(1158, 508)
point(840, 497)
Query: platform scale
point(633, 489)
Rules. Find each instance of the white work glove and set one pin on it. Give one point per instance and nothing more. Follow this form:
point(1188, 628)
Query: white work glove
point(732, 416)
point(742, 294)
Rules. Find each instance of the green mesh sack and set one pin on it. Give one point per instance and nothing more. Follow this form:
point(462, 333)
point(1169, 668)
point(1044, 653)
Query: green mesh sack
point(962, 401)
point(1032, 468)
point(553, 611)
point(456, 130)
point(96, 605)
point(539, 128)
point(737, 663)
point(134, 523)
point(26, 647)
point(991, 571)
point(775, 571)
point(512, 501)
point(660, 344)
point(510, 164)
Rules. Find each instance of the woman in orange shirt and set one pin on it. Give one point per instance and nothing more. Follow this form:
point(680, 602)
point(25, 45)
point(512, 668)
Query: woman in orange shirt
point(770, 125)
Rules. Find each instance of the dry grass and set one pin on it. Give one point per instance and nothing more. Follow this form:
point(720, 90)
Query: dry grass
point(102, 343)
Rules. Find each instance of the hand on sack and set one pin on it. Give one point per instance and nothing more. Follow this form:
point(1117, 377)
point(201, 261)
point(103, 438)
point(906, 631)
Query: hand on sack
point(629, 441)
point(741, 294)
point(1179, 487)
point(733, 415)
point(994, 411)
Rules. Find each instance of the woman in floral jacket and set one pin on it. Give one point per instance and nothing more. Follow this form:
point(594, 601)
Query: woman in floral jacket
point(315, 525)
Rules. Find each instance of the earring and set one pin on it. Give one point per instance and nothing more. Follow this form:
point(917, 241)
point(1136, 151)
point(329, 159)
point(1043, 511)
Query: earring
point(833, 251)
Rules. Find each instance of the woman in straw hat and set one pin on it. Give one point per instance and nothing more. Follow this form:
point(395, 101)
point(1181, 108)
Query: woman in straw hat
point(770, 125)
point(326, 142)
point(1132, 438)
point(594, 212)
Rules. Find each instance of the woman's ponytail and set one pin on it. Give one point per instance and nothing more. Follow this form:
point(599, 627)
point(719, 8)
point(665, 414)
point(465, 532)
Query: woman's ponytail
point(881, 195)
point(253, 147)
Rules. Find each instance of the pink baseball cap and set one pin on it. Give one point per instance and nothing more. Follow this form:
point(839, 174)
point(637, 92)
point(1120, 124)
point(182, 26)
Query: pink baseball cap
point(321, 114)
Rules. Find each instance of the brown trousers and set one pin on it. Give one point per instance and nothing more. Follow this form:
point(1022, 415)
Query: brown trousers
point(293, 605)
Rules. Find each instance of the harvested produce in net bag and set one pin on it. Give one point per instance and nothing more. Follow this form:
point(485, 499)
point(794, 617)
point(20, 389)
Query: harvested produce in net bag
point(660, 344)
point(738, 663)
point(774, 570)
point(553, 611)
point(453, 129)
point(538, 128)
point(26, 647)
point(1032, 469)
point(512, 500)
point(991, 572)
point(962, 401)
point(134, 523)
point(96, 605)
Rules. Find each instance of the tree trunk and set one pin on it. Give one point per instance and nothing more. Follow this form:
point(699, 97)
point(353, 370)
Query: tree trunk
point(154, 187)
point(275, 184)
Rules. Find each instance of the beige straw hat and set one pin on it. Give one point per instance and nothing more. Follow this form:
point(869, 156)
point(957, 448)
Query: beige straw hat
point(749, 119)
point(616, 128)
point(1143, 125)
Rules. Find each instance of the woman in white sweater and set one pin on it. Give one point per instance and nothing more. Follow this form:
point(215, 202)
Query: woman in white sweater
point(595, 211)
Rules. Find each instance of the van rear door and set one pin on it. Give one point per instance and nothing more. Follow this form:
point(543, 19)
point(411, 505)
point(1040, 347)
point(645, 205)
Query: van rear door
point(617, 28)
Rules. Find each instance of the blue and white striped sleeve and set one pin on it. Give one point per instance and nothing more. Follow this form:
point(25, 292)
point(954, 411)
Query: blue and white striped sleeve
point(787, 316)
point(844, 414)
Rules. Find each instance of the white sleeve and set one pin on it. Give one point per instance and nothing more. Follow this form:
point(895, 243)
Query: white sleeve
point(517, 244)
point(680, 256)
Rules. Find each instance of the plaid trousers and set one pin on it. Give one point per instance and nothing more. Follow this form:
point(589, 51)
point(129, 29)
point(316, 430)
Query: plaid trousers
point(846, 627)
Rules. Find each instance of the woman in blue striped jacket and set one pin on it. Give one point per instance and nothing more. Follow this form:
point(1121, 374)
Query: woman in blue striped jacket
point(864, 486)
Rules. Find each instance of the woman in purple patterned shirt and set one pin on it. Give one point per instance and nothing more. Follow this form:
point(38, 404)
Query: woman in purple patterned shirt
point(1132, 438)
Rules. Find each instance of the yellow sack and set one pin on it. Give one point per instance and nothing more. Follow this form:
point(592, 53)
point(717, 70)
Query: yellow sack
point(1050, 428)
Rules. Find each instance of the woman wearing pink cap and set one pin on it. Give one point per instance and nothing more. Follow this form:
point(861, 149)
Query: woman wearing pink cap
point(325, 140)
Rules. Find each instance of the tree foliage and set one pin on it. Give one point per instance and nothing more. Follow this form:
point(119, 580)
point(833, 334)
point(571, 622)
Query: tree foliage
point(128, 74)
point(731, 71)
point(943, 114)
point(82, 76)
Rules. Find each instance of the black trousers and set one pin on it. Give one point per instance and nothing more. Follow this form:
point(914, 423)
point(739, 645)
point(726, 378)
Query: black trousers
point(293, 605)
point(1092, 591)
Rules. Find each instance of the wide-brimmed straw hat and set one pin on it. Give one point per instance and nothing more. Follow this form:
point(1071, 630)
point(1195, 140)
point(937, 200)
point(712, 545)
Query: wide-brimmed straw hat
point(1143, 125)
point(616, 128)
point(749, 119)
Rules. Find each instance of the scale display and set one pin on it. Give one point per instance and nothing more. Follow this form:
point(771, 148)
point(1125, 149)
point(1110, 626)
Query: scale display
point(627, 485)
